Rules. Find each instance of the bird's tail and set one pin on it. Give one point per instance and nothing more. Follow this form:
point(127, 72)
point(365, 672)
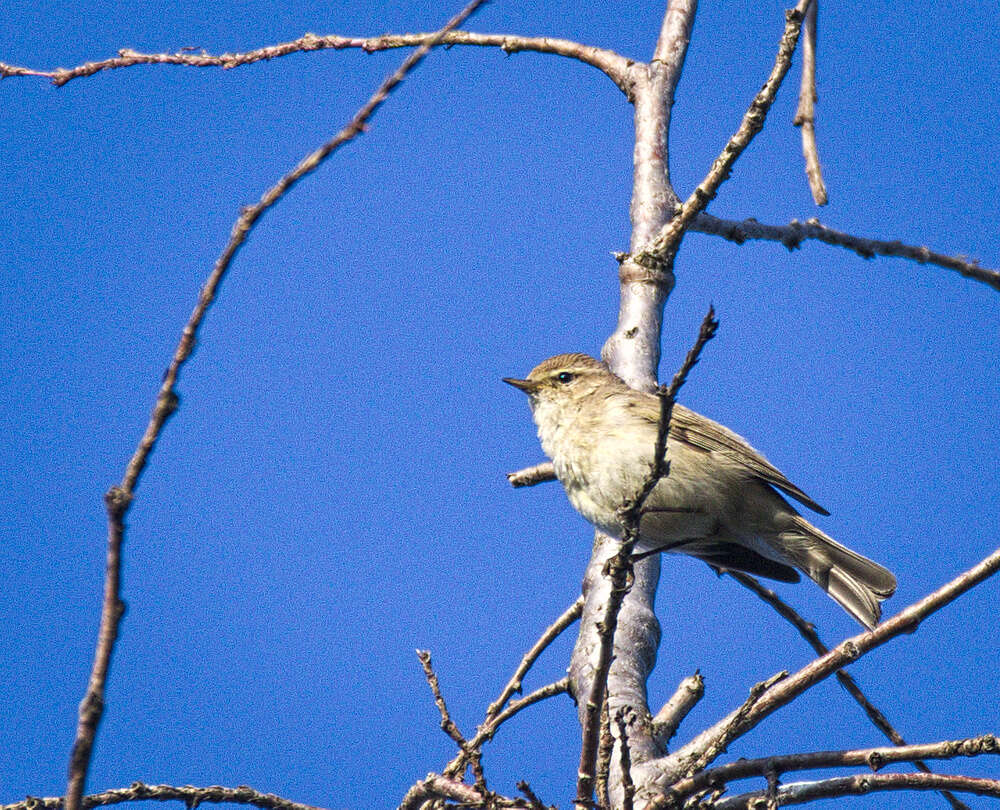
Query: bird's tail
point(855, 582)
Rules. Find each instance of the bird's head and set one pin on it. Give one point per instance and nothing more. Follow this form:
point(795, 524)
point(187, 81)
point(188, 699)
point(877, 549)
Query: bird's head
point(563, 379)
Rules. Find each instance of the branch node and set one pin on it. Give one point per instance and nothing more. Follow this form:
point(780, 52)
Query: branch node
point(875, 761)
point(117, 501)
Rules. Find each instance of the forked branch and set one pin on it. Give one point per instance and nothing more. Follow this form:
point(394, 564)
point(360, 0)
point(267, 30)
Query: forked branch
point(668, 239)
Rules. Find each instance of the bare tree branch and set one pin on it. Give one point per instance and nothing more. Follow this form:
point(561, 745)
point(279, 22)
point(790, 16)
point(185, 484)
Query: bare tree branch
point(447, 724)
point(541, 693)
point(119, 498)
point(612, 64)
point(605, 750)
point(862, 784)
point(808, 632)
point(668, 239)
point(732, 724)
point(716, 738)
point(795, 233)
point(805, 115)
point(500, 711)
point(533, 801)
point(669, 718)
point(874, 758)
point(633, 350)
point(672, 44)
point(190, 795)
point(707, 330)
point(434, 786)
point(530, 476)
point(469, 752)
point(552, 632)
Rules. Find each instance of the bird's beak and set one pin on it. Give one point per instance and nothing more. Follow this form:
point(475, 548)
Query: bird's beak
point(528, 386)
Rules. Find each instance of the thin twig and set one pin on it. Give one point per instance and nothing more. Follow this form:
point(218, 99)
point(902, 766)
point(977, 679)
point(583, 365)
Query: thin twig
point(707, 330)
point(632, 351)
point(541, 693)
point(874, 758)
point(787, 689)
point(488, 730)
point(795, 233)
point(119, 498)
point(552, 632)
point(447, 724)
point(190, 795)
point(618, 569)
point(533, 801)
point(861, 784)
point(529, 476)
point(608, 62)
point(808, 631)
point(666, 242)
point(805, 115)
point(497, 714)
point(733, 723)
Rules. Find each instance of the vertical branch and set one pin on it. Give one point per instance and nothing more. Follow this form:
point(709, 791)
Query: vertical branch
point(633, 353)
point(805, 115)
point(119, 498)
point(604, 753)
point(633, 350)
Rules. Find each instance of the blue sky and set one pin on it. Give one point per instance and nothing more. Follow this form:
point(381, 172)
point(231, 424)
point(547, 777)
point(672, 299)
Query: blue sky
point(331, 494)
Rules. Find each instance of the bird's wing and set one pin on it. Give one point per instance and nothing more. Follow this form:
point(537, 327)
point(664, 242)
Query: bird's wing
point(700, 432)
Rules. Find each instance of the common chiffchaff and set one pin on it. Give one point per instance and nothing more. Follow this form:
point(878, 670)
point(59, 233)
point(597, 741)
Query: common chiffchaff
point(718, 503)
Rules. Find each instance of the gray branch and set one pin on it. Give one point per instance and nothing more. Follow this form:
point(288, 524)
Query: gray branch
point(795, 233)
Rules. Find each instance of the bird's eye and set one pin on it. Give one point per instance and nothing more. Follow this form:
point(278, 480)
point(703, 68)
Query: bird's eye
point(564, 376)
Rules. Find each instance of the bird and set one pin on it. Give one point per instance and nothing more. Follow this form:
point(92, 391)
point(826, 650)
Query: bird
point(720, 501)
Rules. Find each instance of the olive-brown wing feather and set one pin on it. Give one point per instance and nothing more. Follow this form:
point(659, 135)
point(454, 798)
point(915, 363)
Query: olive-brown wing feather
point(698, 431)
